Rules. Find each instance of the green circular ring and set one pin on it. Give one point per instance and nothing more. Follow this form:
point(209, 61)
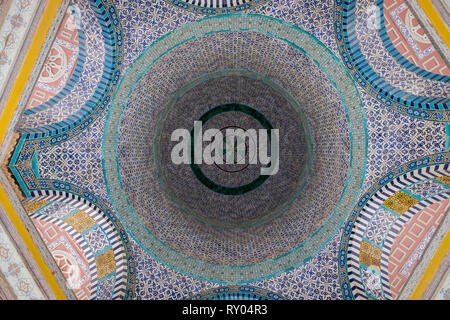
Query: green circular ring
point(239, 190)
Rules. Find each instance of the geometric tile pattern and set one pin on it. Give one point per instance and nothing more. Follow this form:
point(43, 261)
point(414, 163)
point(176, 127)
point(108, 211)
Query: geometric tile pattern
point(410, 243)
point(369, 255)
point(427, 188)
point(106, 263)
point(71, 253)
point(394, 139)
point(77, 161)
point(409, 38)
point(371, 65)
point(97, 239)
point(357, 228)
point(380, 225)
point(400, 202)
point(316, 279)
point(100, 236)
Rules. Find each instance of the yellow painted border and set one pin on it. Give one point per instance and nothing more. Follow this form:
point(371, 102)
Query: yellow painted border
point(44, 25)
point(431, 269)
point(436, 20)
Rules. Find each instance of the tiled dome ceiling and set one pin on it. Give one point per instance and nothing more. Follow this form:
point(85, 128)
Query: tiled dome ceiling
point(248, 221)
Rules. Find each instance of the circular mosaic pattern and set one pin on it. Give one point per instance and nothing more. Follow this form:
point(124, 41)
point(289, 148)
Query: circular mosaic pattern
point(298, 86)
point(238, 155)
point(233, 186)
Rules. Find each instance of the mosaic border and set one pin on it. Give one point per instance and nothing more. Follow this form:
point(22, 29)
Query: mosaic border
point(398, 56)
point(81, 243)
point(49, 136)
point(105, 218)
point(237, 293)
point(112, 34)
point(351, 286)
point(426, 108)
point(213, 7)
point(76, 71)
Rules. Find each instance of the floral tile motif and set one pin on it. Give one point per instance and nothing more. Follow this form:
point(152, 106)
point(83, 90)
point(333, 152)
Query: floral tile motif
point(427, 188)
point(105, 288)
point(58, 210)
point(97, 239)
point(372, 283)
point(379, 226)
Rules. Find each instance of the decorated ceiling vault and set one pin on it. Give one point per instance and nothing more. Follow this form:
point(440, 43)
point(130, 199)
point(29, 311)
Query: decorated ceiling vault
point(94, 207)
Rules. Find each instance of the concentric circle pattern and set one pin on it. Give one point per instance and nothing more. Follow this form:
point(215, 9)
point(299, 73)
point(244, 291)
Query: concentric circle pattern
point(225, 201)
point(228, 222)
